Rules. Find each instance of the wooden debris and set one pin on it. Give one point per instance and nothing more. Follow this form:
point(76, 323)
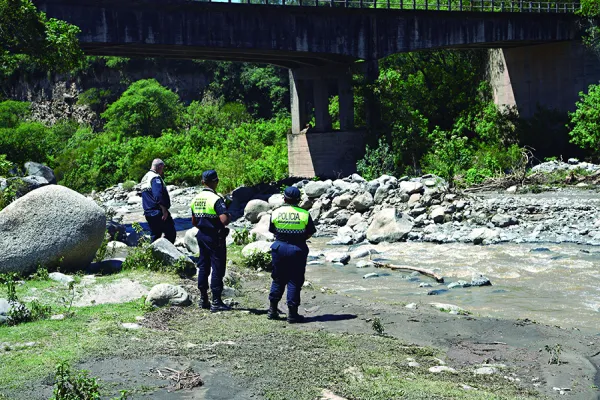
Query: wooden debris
point(422, 271)
point(186, 379)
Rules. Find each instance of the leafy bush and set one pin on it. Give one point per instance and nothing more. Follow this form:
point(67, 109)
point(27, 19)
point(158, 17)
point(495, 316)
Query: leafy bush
point(258, 260)
point(94, 98)
point(585, 120)
point(5, 165)
point(243, 237)
point(77, 385)
point(129, 185)
point(377, 161)
point(12, 113)
point(145, 109)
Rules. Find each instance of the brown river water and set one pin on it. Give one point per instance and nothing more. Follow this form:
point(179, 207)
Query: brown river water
point(554, 284)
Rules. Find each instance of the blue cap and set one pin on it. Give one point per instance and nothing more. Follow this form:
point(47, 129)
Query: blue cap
point(292, 193)
point(210, 176)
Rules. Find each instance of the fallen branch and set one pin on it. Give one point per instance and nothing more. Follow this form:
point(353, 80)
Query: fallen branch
point(186, 379)
point(422, 271)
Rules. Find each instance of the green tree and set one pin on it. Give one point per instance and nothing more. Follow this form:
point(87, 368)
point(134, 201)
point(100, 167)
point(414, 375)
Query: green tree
point(590, 10)
point(145, 109)
point(585, 120)
point(27, 33)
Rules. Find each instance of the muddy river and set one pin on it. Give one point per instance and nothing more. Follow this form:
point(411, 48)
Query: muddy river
point(555, 284)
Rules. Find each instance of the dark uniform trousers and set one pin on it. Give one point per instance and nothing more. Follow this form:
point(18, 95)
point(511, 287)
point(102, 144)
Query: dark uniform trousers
point(213, 256)
point(158, 227)
point(289, 267)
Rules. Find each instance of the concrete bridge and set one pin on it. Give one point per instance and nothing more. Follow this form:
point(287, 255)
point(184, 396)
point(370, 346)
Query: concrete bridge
point(320, 41)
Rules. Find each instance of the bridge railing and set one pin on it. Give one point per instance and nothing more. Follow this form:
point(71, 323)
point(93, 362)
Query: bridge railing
point(434, 5)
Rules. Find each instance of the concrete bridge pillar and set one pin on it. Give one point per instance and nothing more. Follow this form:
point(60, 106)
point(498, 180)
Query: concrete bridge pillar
point(320, 151)
point(549, 75)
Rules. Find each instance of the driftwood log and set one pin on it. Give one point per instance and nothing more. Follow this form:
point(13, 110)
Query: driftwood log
point(428, 273)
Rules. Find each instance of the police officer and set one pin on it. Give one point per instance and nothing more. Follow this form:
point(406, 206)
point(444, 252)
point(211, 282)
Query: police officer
point(210, 216)
point(156, 203)
point(292, 226)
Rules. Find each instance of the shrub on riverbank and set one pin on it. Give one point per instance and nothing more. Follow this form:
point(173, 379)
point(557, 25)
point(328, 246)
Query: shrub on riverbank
point(147, 122)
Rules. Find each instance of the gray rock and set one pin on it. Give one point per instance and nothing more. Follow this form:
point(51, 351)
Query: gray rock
point(354, 220)
point(371, 275)
point(62, 278)
point(389, 225)
point(415, 212)
point(261, 230)
point(414, 198)
point(479, 235)
point(343, 201)
point(168, 253)
point(503, 220)
point(381, 193)
point(36, 169)
point(337, 257)
point(164, 294)
point(316, 189)
point(276, 200)
point(254, 208)
point(485, 371)
point(190, 241)
point(411, 187)
point(437, 214)
point(365, 264)
point(356, 178)
point(480, 280)
point(27, 184)
point(459, 284)
point(341, 219)
point(72, 230)
point(372, 186)
point(363, 202)
point(306, 202)
point(261, 246)
point(6, 307)
point(442, 368)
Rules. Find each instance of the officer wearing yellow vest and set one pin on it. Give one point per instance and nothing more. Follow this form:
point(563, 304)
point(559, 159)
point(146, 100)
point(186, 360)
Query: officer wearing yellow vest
point(292, 227)
point(210, 216)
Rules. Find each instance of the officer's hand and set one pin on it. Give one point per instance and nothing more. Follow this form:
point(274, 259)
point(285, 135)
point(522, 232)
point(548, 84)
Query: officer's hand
point(165, 215)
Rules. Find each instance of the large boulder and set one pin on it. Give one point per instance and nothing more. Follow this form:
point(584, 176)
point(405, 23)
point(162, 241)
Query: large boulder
point(262, 246)
point(47, 225)
point(169, 255)
point(411, 187)
point(316, 189)
point(164, 294)
point(261, 230)
point(362, 202)
point(343, 201)
point(36, 169)
point(254, 208)
point(190, 241)
point(389, 225)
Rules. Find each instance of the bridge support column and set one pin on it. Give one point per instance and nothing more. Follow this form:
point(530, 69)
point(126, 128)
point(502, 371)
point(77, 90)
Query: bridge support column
point(549, 75)
point(346, 101)
point(371, 72)
point(321, 99)
point(319, 151)
point(298, 103)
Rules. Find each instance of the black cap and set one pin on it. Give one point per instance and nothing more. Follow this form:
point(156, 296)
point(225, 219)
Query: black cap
point(292, 193)
point(210, 176)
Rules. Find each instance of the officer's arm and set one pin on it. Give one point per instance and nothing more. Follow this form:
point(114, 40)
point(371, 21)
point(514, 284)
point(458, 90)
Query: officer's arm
point(310, 228)
point(221, 210)
point(194, 220)
point(157, 191)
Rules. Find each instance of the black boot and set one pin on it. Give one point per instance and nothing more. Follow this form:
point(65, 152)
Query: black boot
point(293, 316)
point(217, 304)
point(204, 302)
point(273, 312)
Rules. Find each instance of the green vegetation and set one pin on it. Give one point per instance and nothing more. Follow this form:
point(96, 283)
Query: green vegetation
point(258, 260)
point(27, 35)
point(585, 121)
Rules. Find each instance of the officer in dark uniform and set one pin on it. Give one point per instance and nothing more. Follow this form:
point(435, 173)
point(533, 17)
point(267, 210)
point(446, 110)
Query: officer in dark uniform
point(210, 216)
point(292, 227)
point(156, 203)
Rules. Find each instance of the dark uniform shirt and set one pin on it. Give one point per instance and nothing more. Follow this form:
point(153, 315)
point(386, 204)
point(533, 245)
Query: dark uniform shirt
point(153, 199)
